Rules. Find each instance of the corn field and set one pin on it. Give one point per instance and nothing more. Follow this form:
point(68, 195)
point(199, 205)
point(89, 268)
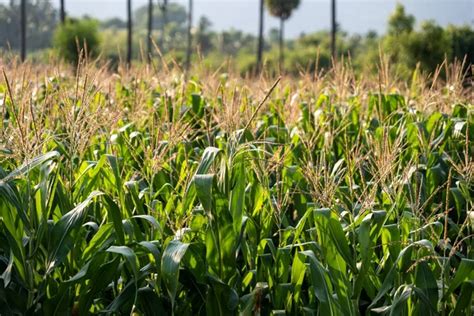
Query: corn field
point(144, 193)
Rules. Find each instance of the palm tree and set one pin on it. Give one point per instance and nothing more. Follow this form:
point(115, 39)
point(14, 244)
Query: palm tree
point(23, 30)
point(282, 9)
point(62, 11)
point(190, 39)
point(333, 29)
point(260, 38)
point(129, 32)
point(150, 29)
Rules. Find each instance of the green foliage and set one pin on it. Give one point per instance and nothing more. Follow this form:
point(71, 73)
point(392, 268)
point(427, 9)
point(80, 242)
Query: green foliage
point(175, 14)
point(429, 46)
point(399, 22)
point(461, 41)
point(76, 37)
point(169, 33)
point(406, 46)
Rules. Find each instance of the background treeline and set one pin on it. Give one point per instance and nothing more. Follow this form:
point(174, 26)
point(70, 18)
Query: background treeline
point(406, 42)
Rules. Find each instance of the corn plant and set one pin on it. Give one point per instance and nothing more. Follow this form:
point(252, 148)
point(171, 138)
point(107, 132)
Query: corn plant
point(137, 195)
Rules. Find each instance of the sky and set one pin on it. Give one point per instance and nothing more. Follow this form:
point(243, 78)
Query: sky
point(354, 16)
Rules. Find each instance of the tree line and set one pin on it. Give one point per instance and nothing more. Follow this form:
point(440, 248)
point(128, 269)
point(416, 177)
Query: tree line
point(282, 9)
point(169, 24)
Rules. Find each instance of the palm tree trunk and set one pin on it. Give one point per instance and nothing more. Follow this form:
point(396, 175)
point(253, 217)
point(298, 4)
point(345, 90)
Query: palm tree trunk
point(190, 39)
point(129, 32)
point(260, 39)
point(150, 29)
point(23, 30)
point(62, 11)
point(282, 35)
point(333, 29)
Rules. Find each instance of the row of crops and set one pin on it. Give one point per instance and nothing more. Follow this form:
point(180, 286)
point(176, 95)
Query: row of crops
point(137, 195)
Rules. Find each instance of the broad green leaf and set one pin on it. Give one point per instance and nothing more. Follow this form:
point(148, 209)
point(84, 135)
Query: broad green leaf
point(389, 279)
point(321, 287)
point(203, 184)
point(62, 240)
point(29, 165)
point(129, 256)
point(170, 261)
point(464, 272)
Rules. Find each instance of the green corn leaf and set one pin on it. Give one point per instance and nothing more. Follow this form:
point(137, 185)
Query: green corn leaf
point(170, 261)
point(79, 275)
point(102, 238)
point(128, 296)
point(389, 279)
point(319, 280)
point(221, 299)
point(209, 156)
point(464, 300)
point(7, 273)
point(237, 195)
point(116, 217)
point(62, 241)
point(464, 272)
point(102, 276)
point(425, 281)
point(129, 256)
point(29, 165)
point(203, 184)
point(153, 249)
point(402, 295)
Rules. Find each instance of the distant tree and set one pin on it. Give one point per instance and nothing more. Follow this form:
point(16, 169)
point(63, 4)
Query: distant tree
point(23, 29)
point(115, 23)
point(260, 37)
point(333, 29)
point(76, 37)
point(371, 34)
point(204, 35)
point(399, 22)
point(175, 14)
point(407, 47)
point(233, 41)
point(150, 29)
point(274, 35)
point(189, 36)
point(400, 27)
point(430, 46)
point(462, 46)
point(129, 32)
point(462, 43)
point(282, 9)
point(163, 4)
point(175, 17)
point(62, 11)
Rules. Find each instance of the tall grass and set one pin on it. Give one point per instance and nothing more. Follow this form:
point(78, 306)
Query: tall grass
point(140, 192)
